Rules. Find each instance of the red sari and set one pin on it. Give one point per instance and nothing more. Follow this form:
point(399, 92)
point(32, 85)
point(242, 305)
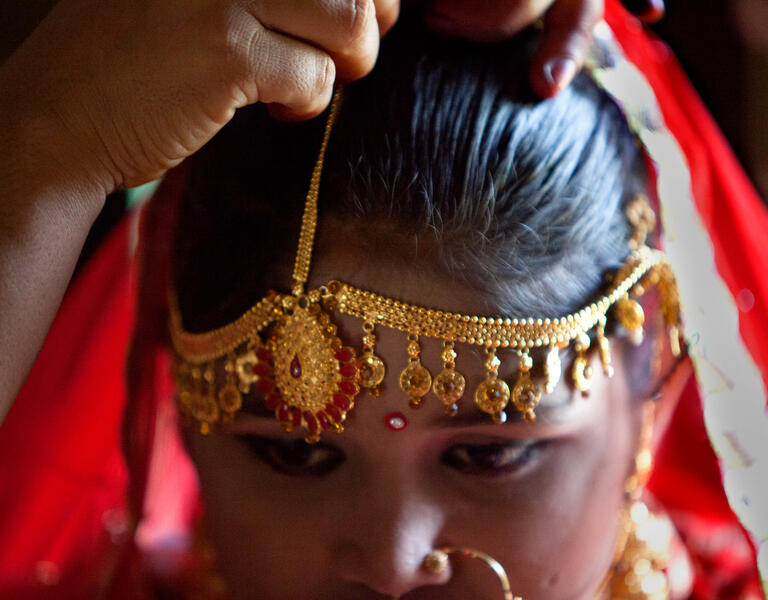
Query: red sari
point(68, 506)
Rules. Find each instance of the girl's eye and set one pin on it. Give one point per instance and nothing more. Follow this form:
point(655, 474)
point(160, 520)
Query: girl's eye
point(491, 460)
point(295, 457)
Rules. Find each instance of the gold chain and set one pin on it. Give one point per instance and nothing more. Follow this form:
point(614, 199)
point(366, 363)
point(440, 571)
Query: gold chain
point(502, 332)
point(309, 220)
point(282, 346)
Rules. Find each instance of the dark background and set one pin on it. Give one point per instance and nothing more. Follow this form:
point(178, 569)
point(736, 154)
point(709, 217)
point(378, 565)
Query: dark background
point(722, 44)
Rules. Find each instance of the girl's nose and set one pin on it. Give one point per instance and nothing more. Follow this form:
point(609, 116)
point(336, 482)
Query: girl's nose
point(385, 550)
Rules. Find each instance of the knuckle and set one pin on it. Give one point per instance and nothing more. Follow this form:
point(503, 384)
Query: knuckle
point(230, 36)
point(326, 73)
point(581, 37)
point(356, 54)
point(359, 19)
point(242, 39)
point(313, 86)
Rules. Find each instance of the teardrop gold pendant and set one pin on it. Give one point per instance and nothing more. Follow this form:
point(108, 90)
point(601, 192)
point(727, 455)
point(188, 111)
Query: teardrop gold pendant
point(415, 379)
point(492, 395)
point(449, 384)
point(370, 368)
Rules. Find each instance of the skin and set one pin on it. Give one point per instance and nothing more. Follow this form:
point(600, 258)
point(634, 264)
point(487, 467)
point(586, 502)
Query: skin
point(361, 528)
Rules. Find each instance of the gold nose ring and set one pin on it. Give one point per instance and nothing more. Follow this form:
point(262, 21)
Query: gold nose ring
point(437, 561)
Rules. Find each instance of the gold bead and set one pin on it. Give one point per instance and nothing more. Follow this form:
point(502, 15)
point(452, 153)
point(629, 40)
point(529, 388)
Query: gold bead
point(230, 399)
point(370, 370)
point(492, 395)
point(526, 397)
point(415, 380)
point(436, 561)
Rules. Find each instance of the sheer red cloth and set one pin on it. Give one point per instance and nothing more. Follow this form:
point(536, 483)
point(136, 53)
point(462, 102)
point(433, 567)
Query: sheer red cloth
point(66, 498)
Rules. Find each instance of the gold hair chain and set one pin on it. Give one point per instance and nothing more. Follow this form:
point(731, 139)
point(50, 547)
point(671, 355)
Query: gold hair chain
point(286, 348)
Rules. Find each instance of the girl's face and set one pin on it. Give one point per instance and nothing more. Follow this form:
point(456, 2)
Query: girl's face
point(353, 517)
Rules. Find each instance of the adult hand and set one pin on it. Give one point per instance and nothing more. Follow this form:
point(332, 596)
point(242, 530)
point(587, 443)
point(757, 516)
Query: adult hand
point(126, 89)
point(567, 33)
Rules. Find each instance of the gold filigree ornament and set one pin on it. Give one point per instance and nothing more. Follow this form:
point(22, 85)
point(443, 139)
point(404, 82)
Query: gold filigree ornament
point(415, 379)
point(313, 372)
point(287, 349)
point(526, 394)
point(641, 574)
point(370, 368)
point(449, 384)
point(581, 371)
point(492, 395)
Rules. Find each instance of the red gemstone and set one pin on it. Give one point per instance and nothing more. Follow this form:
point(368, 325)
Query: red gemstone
point(344, 355)
point(284, 412)
point(296, 414)
point(295, 367)
point(348, 388)
point(264, 386)
point(311, 421)
point(396, 421)
point(348, 371)
point(265, 355)
point(263, 369)
point(325, 422)
point(273, 400)
point(334, 412)
point(341, 401)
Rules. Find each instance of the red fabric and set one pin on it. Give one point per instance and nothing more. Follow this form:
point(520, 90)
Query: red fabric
point(62, 475)
point(733, 213)
point(736, 221)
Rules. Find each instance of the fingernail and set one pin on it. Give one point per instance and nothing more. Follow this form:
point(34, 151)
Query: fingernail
point(559, 72)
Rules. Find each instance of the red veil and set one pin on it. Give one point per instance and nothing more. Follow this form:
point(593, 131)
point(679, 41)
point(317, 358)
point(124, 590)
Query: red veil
point(68, 507)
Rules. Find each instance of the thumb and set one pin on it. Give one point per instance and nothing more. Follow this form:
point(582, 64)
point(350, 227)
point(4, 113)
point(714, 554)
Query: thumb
point(565, 42)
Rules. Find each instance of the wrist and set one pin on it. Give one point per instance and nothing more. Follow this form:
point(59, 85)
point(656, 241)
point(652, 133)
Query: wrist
point(41, 159)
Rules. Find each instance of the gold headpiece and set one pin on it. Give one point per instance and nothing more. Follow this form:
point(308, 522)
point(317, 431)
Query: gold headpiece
point(287, 349)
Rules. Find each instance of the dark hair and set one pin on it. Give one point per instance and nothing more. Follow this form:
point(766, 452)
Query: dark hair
point(523, 197)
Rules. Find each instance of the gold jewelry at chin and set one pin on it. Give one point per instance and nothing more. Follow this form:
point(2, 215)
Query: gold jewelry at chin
point(437, 562)
point(639, 573)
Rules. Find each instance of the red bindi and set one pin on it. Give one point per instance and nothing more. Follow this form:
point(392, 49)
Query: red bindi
point(396, 421)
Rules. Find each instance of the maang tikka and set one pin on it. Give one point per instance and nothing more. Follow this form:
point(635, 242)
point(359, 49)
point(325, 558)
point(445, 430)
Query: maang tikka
point(287, 348)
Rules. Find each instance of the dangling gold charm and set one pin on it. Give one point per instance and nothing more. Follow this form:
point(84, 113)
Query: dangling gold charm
point(229, 396)
point(204, 406)
point(492, 395)
point(581, 372)
point(670, 306)
point(604, 347)
point(449, 384)
point(640, 573)
point(552, 369)
point(674, 341)
point(631, 317)
point(254, 364)
point(415, 379)
point(314, 375)
point(643, 219)
point(370, 368)
point(526, 395)
point(195, 385)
